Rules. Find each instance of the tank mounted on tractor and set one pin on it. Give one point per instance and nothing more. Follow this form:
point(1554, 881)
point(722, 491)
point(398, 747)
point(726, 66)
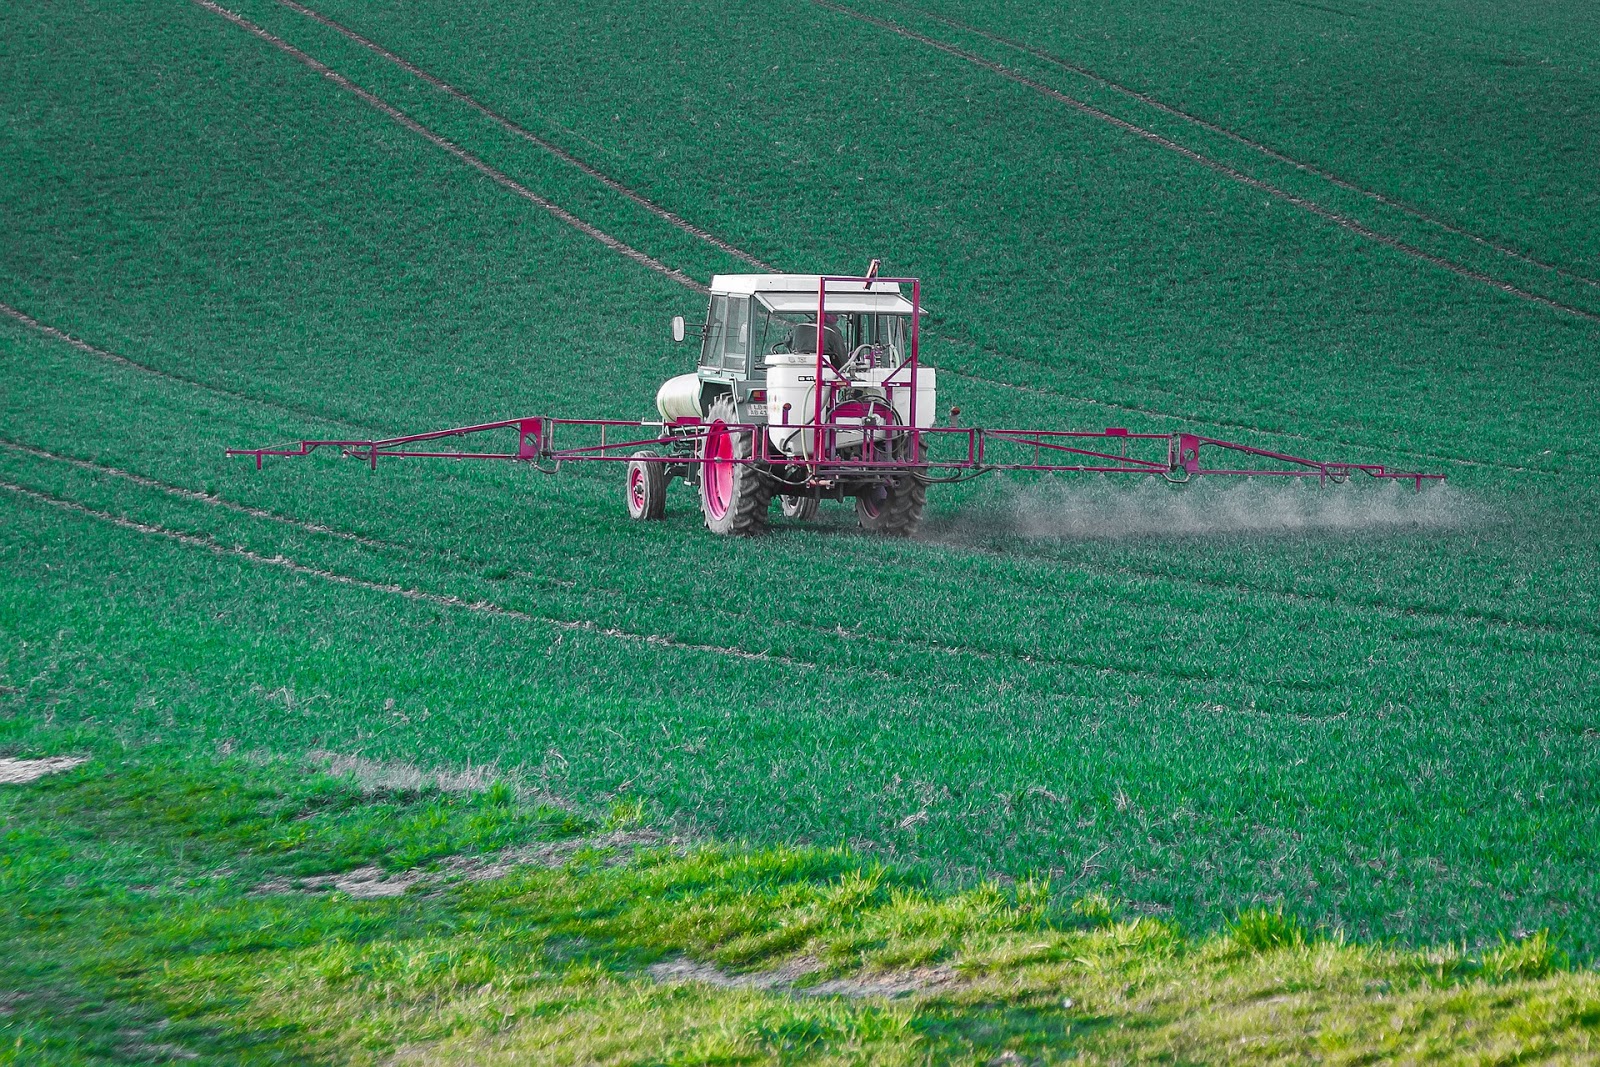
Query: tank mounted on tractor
point(780, 408)
point(810, 388)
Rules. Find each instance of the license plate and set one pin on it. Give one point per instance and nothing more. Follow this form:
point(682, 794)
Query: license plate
point(755, 409)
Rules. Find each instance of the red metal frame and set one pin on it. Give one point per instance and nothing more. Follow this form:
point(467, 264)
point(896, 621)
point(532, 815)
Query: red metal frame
point(1180, 457)
point(1177, 458)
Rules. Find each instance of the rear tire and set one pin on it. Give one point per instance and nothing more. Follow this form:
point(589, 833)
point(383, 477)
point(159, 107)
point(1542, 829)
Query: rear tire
point(646, 488)
point(893, 510)
point(799, 508)
point(734, 496)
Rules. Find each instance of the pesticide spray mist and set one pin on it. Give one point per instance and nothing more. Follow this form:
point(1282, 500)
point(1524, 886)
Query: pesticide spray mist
point(1103, 508)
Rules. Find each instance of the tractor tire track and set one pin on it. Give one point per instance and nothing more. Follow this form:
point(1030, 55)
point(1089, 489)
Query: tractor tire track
point(177, 379)
point(499, 177)
point(209, 499)
point(701, 234)
point(486, 607)
point(1252, 144)
point(1216, 166)
point(604, 594)
point(924, 645)
point(517, 130)
point(483, 607)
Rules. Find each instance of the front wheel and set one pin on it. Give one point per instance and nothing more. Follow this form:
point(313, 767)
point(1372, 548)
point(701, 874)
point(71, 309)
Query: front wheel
point(894, 509)
point(647, 487)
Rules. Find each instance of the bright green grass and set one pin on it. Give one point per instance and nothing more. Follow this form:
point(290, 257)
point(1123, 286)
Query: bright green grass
point(148, 915)
point(1393, 736)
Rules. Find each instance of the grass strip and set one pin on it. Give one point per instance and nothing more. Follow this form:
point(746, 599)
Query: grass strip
point(164, 904)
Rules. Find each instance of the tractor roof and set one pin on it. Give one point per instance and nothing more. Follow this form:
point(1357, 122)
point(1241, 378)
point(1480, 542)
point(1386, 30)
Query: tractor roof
point(798, 292)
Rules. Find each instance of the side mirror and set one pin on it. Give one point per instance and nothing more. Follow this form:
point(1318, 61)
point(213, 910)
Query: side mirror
point(677, 328)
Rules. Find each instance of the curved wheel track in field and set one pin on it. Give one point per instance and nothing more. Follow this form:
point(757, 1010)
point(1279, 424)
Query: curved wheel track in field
point(179, 379)
point(726, 246)
point(620, 246)
point(1217, 166)
point(483, 607)
point(1462, 618)
point(1254, 145)
point(528, 135)
point(497, 176)
point(211, 499)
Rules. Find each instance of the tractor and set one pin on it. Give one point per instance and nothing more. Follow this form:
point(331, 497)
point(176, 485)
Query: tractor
point(778, 407)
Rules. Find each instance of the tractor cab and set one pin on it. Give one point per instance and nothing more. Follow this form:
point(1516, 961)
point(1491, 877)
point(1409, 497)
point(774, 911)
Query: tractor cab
point(776, 314)
point(755, 322)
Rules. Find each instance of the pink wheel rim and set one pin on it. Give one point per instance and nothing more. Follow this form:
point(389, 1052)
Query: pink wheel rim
point(716, 478)
point(636, 490)
point(872, 502)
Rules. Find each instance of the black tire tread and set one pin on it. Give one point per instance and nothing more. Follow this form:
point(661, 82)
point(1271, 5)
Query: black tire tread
point(901, 512)
point(655, 495)
point(752, 493)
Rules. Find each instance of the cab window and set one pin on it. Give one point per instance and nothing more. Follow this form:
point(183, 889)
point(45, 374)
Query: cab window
point(736, 338)
point(716, 326)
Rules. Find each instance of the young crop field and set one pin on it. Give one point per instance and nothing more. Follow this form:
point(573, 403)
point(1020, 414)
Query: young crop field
point(1368, 715)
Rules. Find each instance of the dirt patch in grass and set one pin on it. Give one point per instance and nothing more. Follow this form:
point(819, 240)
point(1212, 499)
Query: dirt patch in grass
point(791, 978)
point(22, 771)
point(372, 882)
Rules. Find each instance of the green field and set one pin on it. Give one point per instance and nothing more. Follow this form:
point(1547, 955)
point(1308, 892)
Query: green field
point(1376, 710)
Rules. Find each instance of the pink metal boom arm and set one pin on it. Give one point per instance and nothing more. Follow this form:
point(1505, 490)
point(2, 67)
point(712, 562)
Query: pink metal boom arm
point(957, 449)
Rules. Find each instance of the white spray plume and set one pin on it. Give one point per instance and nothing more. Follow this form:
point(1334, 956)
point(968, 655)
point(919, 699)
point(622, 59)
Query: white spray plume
point(1100, 508)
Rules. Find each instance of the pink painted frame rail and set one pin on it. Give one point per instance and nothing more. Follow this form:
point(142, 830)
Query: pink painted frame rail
point(1176, 458)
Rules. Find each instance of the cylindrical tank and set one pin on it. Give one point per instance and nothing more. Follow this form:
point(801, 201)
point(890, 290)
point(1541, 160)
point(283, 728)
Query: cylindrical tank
point(679, 398)
point(927, 398)
point(791, 380)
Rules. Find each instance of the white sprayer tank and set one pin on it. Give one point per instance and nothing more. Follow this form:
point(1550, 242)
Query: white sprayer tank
point(792, 380)
point(679, 398)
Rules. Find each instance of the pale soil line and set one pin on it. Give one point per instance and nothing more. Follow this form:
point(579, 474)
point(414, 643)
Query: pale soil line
point(179, 379)
point(523, 132)
point(1264, 149)
point(785, 979)
point(484, 607)
point(927, 644)
point(195, 495)
point(497, 176)
point(702, 234)
point(1216, 166)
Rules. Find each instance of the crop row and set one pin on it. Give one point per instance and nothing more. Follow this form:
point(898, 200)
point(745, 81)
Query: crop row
point(1133, 792)
point(1401, 368)
point(1365, 412)
point(1465, 112)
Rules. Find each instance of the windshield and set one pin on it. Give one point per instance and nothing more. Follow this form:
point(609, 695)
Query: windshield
point(843, 334)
